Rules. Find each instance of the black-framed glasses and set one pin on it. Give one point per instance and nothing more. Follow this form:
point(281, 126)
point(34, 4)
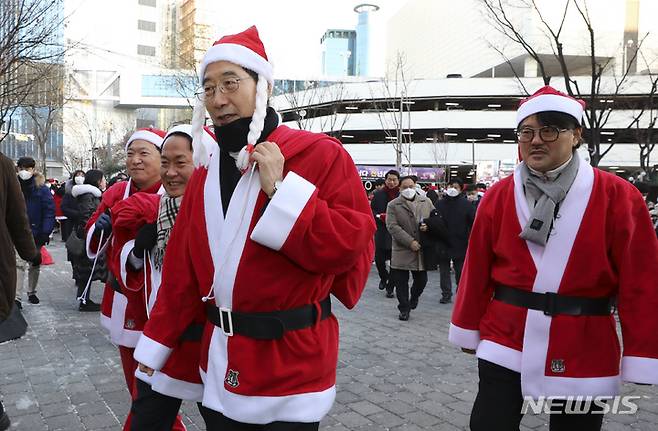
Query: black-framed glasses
point(546, 133)
point(225, 86)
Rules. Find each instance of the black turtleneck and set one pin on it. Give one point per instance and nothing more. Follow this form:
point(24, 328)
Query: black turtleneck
point(231, 138)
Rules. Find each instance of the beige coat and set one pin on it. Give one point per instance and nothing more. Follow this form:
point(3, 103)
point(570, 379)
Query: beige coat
point(403, 225)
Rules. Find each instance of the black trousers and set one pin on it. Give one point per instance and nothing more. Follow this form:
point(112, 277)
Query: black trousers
point(381, 256)
point(444, 273)
point(66, 226)
point(153, 411)
point(81, 284)
point(216, 421)
point(499, 401)
point(401, 280)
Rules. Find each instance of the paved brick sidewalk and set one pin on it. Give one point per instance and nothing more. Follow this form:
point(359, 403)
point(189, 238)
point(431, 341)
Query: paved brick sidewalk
point(65, 374)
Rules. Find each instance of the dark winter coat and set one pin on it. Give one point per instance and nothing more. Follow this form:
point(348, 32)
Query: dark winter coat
point(429, 240)
point(378, 206)
point(40, 210)
point(14, 232)
point(458, 214)
point(70, 204)
point(87, 199)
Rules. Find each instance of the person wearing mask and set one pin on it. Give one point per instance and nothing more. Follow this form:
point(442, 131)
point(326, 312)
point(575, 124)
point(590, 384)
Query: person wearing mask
point(404, 217)
point(41, 213)
point(552, 248)
point(88, 197)
point(458, 214)
point(159, 393)
point(69, 204)
point(272, 224)
point(143, 164)
point(383, 243)
point(15, 234)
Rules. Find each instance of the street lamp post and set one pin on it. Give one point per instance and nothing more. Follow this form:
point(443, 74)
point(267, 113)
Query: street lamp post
point(473, 141)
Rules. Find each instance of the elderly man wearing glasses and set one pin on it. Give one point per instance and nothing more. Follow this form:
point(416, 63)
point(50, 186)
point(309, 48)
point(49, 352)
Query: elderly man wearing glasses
point(551, 249)
point(272, 224)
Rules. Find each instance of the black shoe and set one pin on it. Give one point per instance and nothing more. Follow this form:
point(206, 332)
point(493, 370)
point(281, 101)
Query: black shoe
point(4, 421)
point(19, 303)
point(89, 306)
point(33, 299)
point(413, 303)
point(404, 315)
point(445, 300)
point(382, 285)
point(389, 294)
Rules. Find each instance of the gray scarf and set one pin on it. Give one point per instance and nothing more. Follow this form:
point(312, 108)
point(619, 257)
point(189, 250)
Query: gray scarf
point(166, 217)
point(548, 195)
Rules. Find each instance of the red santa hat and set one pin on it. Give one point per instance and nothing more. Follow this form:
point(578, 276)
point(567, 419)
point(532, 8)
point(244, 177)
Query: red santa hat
point(549, 99)
point(208, 138)
point(246, 50)
point(149, 134)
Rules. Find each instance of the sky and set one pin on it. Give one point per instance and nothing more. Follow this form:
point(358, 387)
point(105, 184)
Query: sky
point(291, 30)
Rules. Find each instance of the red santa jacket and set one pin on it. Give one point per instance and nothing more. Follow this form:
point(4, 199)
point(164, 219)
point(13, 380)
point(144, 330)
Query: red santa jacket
point(113, 307)
point(602, 245)
point(179, 377)
point(313, 238)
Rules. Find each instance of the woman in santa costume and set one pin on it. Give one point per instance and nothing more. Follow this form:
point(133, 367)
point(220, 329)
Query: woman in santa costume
point(272, 224)
point(158, 395)
point(551, 248)
point(120, 319)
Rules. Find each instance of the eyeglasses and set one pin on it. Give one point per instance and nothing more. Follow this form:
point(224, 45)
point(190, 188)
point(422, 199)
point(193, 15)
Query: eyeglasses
point(546, 133)
point(225, 86)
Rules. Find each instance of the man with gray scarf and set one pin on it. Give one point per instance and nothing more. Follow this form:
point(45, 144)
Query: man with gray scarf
point(551, 249)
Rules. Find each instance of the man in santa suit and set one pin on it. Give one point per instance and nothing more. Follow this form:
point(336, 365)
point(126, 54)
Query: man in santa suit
point(117, 316)
point(158, 395)
point(551, 248)
point(272, 224)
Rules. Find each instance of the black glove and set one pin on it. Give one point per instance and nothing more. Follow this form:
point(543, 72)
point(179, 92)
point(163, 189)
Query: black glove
point(41, 240)
point(37, 259)
point(103, 223)
point(147, 237)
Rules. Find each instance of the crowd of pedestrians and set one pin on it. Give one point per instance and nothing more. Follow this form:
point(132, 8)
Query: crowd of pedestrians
point(222, 246)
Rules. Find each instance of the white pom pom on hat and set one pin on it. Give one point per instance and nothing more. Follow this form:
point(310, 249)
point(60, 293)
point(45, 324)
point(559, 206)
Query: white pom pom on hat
point(246, 50)
point(548, 98)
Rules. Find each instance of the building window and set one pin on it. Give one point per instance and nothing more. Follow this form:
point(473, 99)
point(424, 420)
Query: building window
point(147, 2)
point(145, 25)
point(146, 50)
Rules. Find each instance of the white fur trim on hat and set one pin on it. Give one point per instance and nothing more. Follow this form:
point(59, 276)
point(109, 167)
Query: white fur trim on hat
point(145, 135)
point(550, 102)
point(240, 55)
point(181, 128)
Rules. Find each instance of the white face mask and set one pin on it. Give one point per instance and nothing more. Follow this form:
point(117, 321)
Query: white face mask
point(452, 192)
point(24, 175)
point(79, 180)
point(408, 193)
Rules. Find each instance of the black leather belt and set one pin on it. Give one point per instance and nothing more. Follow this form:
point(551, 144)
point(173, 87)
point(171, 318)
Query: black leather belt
point(552, 303)
point(268, 325)
point(113, 282)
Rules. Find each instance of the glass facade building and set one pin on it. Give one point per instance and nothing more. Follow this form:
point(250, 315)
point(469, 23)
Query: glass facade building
point(339, 53)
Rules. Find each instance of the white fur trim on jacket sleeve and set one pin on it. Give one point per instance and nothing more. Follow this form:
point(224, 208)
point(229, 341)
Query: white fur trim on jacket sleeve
point(151, 353)
point(124, 259)
point(282, 212)
point(466, 338)
point(639, 370)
